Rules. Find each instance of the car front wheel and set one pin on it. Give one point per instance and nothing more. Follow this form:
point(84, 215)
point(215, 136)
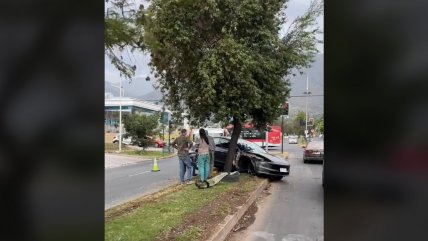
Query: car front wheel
point(251, 170)
point(275, 178)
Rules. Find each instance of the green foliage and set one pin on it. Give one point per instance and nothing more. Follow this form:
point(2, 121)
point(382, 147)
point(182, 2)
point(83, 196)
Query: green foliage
point(141, 128)
point(319, 125)
point(122, 31)
point(224, 58)
point(297, 123)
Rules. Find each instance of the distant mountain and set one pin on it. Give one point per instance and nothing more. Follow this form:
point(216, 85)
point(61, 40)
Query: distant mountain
point(137, 87)
point(315, 75)
point(154, 96)
point(141, 89)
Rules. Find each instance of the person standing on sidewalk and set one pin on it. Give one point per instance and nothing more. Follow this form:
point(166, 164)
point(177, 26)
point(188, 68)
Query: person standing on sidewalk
point(182, 144)
point(211, 155)
point(203, 159)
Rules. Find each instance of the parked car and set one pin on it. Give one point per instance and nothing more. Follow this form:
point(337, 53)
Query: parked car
point(250, 158)
point(314, 151)
point(160, 143)
point(292, 140)
point(126, 141)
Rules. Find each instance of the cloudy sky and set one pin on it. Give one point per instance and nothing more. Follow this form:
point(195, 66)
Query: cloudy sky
point(140, 87)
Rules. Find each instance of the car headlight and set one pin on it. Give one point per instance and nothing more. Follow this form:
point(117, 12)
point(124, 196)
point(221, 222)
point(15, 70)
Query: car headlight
point(263, 160)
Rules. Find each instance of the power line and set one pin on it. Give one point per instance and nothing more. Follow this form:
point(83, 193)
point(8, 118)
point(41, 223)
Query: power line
point(305, 95)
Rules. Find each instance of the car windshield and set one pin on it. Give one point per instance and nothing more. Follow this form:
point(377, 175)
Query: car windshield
point(250, 146)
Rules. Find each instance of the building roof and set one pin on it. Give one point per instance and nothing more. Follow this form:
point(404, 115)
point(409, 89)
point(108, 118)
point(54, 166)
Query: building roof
point(126, 101)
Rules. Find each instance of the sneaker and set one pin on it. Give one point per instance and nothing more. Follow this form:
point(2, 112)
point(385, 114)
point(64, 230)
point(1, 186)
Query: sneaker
point(190, 182)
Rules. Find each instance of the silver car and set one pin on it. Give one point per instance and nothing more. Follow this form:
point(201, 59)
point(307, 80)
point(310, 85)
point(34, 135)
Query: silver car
point(292, 140)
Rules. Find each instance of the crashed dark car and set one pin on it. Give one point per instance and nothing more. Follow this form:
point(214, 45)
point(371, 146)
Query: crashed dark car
point(250, 158)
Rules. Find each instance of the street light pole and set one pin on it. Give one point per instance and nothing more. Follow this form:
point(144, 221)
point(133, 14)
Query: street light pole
point(307, 93)
point(282, 133)
point(120, 116)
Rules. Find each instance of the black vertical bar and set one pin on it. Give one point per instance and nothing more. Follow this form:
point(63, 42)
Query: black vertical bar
point(282, 134)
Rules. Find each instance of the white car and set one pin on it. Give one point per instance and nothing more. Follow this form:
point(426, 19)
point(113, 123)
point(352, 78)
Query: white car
point(126, 141)
point(292, 140)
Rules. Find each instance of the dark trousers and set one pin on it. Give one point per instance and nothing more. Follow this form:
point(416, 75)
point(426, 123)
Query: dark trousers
point(211, 163)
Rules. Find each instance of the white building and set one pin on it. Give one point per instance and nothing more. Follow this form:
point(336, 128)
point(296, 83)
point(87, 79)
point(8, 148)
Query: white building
point(129, 106)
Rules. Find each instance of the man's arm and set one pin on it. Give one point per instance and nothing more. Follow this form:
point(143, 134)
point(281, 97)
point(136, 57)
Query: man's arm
point(174, 143)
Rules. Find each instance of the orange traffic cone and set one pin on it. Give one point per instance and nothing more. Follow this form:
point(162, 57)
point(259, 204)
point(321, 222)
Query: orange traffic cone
point(155, 167)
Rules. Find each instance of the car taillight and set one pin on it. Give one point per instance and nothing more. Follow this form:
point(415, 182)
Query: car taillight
point(308, 151)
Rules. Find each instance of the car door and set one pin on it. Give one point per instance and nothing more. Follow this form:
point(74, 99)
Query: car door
point(221, 149)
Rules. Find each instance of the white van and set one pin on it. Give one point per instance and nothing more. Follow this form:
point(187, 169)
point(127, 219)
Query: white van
point(213, 132)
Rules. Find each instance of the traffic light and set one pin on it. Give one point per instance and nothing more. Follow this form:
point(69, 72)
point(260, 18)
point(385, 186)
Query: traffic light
point(285, 108)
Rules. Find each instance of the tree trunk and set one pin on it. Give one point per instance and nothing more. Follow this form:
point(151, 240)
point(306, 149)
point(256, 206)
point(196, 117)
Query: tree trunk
point(233, 145)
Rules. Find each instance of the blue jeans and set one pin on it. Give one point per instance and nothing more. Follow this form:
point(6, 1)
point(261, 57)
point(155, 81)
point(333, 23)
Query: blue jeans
point(203, 166)
point(185, 165)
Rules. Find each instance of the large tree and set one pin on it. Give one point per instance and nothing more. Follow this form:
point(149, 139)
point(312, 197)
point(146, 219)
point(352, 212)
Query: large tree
point(224, 59)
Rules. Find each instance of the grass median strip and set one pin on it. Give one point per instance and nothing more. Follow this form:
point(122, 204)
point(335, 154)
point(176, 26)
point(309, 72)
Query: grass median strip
point(113, 148)
point(180, 212)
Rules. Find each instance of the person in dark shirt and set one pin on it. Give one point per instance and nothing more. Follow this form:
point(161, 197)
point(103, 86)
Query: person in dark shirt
point(183, 144)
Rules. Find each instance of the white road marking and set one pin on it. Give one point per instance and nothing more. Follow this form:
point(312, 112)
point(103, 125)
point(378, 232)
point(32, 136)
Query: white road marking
point(138, 173)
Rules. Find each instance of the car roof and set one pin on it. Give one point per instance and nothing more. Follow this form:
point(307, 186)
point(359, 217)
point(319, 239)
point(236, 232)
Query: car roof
point(318, 144)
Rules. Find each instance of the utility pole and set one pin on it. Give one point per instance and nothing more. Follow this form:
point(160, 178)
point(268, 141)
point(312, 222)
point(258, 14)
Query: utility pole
point(282, 134)
point(306, 119)
point(267, 140)
point(120, 112)
point(120, 115)
point(169, 136)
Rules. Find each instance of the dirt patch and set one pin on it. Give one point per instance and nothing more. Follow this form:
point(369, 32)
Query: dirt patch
point(208, 217)
point(205, 219)
point(247, 219)
point(249, 216)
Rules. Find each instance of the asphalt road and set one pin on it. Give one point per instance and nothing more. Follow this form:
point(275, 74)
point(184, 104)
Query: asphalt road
point(294, 209)
point(131, 181)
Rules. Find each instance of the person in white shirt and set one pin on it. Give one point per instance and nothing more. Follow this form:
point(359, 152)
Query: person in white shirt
point(203, 147)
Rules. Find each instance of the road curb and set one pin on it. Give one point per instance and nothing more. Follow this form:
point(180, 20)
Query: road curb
point(223, 229)
point(142, 159)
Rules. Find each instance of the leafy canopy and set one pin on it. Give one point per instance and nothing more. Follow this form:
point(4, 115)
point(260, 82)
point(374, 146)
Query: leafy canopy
point(319, 125)
point(224, 58)
point(123, 31)
point(141, 128)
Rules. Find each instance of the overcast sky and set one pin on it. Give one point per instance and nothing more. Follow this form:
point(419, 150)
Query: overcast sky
point(295, 8)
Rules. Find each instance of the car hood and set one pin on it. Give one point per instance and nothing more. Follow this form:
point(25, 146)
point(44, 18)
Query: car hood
point(272, 158)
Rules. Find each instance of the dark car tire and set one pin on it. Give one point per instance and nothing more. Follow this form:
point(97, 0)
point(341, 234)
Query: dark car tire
point(251, 170)
point(305, 161)
point(275, 178)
